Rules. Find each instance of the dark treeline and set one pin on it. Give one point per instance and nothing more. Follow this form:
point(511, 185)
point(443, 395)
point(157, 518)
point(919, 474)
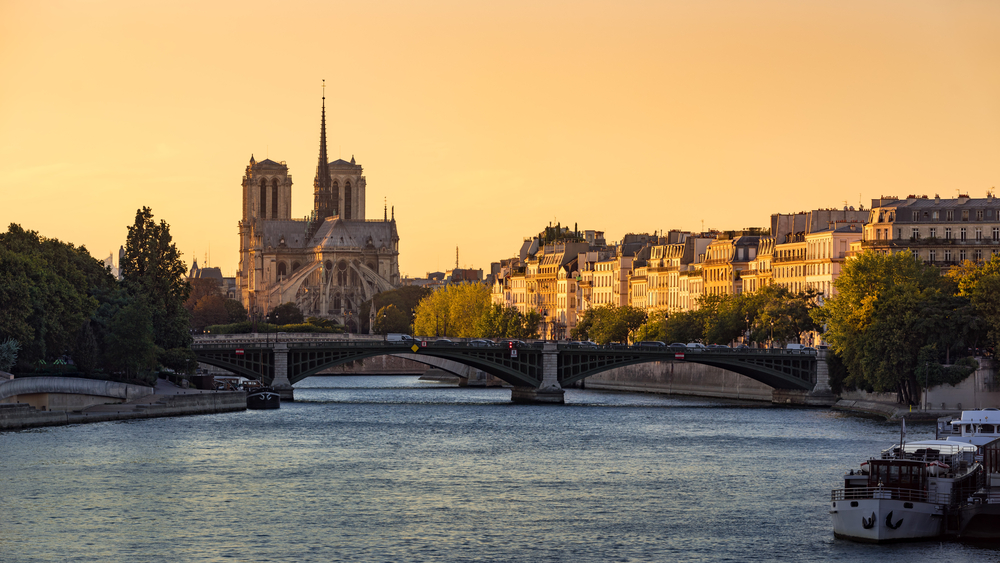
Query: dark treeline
point(61, 310)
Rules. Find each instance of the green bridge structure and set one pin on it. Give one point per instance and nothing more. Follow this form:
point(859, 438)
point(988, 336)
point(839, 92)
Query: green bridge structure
point(537, 372)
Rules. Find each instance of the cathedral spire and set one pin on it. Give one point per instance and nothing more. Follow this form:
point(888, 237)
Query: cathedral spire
point(321, 184)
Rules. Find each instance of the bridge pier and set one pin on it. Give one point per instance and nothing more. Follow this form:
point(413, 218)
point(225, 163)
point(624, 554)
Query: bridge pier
point(280, 383)
point(821, 393)
point(549, 392)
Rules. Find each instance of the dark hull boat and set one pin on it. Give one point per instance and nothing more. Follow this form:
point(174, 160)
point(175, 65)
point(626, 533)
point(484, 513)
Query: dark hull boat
point(263, 398)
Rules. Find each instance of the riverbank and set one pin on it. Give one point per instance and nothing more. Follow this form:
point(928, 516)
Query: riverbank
point(166, 400)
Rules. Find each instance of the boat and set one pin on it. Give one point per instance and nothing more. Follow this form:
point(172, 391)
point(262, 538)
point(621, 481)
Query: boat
point(263, 398)
point(948, 487)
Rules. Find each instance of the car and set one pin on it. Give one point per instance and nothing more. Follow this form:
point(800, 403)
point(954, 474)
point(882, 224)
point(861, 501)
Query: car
point(480, 342)
point(584, 344)
point(678, 346)
point(655, 344)
point(718, 347)
point(396, 337)
point(442, 342)
point(741, 347)
point(511, 343)
point(695, 347)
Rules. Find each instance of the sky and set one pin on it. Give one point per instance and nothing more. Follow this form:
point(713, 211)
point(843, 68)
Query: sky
point(482, 122)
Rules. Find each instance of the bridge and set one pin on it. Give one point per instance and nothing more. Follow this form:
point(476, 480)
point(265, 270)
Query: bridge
point(537, 372)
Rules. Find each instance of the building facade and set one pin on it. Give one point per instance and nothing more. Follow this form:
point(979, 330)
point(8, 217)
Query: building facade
point(328, 263)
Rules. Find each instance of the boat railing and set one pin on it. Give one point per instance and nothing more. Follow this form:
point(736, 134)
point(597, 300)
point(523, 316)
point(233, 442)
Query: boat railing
point(911, 495)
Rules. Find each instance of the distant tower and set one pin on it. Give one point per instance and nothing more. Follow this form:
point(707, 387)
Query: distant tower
point(456, 257)
point(339, 186)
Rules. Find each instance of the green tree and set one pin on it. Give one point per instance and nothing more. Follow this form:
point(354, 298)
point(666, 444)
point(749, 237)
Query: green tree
point(131, 349)
point(890, 314)
point(609, 323)
point(503, 321)
point(235, 311)
point(404, 298)
point(286, 314)
point(390, 319)
point(210, 310)
point(8, 354)
point(153, 271)
point(454, 311)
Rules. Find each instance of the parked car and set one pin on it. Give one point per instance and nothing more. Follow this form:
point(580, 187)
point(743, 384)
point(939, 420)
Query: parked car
point(678, 346)
point(480, 342)
point(442, 342)
point(584, 344)
point(695, 347)
point(654, 344)
point(718, 347)
point(511, 343)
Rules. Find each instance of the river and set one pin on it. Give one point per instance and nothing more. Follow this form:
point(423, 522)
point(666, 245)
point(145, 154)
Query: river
point(393, 469)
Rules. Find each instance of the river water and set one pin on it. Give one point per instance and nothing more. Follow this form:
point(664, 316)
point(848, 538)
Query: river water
point(393, 469)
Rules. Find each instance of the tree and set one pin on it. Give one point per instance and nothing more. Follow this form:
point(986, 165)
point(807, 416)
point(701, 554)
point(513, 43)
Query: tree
point(131, 349)
point(503, 321)
point(8, 354)
point(609, 323)
point(404, 298)
point(286, 314)
point(452, 311)
point(153, 271)
point(235, 310)
point(390, 319)
point(891, 313)
point(210, 310)
point(201, 287)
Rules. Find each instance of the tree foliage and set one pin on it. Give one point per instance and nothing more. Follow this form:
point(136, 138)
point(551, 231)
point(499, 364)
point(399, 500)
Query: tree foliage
point(609, 323)
point(504, 321)
point(892, 315)
point(152, 270)
point(286, 314)
point(391, 319)
point(405, 299)
point(453, 310)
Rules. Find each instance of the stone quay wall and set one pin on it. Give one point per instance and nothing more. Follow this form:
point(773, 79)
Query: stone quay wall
point(680, 378)
point(20, 415)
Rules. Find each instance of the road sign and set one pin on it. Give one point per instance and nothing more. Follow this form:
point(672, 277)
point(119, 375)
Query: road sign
point(513, 352)
point(239, 351)
point(679, 356)
point(414, 347)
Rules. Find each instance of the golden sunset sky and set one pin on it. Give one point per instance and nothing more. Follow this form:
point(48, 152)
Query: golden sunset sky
point(481, 122)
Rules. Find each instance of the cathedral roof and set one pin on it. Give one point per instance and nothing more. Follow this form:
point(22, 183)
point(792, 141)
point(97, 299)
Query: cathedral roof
point(268, 161)
point(335, 232)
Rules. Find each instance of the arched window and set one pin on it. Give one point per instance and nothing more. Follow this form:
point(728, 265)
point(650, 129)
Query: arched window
point(263, 198)
point(336, 301)
point(274, 198)
point(335, 199)
point(342, 273)
point(295, 266)
point(347, 201)
point(328, 266)
point(282, 270)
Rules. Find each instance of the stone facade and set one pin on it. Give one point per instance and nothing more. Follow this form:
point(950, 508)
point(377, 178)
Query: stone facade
point(328, 263)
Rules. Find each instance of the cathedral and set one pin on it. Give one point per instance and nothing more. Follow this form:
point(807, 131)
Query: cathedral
point(328, 263)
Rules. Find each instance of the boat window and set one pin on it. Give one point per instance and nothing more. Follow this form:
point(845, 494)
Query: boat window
point(893, 474)
point(988, 428)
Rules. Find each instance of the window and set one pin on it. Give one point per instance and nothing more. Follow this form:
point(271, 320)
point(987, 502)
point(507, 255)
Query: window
point(963, 233)
point(979, 215)
point(947, 255)
point(979, 233)
point(932, 255)
point(274, 199)
point(262, 204)
point(933, 233)
point(961, 256)
point(916, 233)
point(965, 214)
point(979, 255)
point(916, 215)
point(347, 201)
point(950, 215)
point(996, 233)
point(935, 214)
point(947, 233)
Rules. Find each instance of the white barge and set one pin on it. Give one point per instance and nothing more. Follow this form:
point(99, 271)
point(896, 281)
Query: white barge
point(932, 489)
